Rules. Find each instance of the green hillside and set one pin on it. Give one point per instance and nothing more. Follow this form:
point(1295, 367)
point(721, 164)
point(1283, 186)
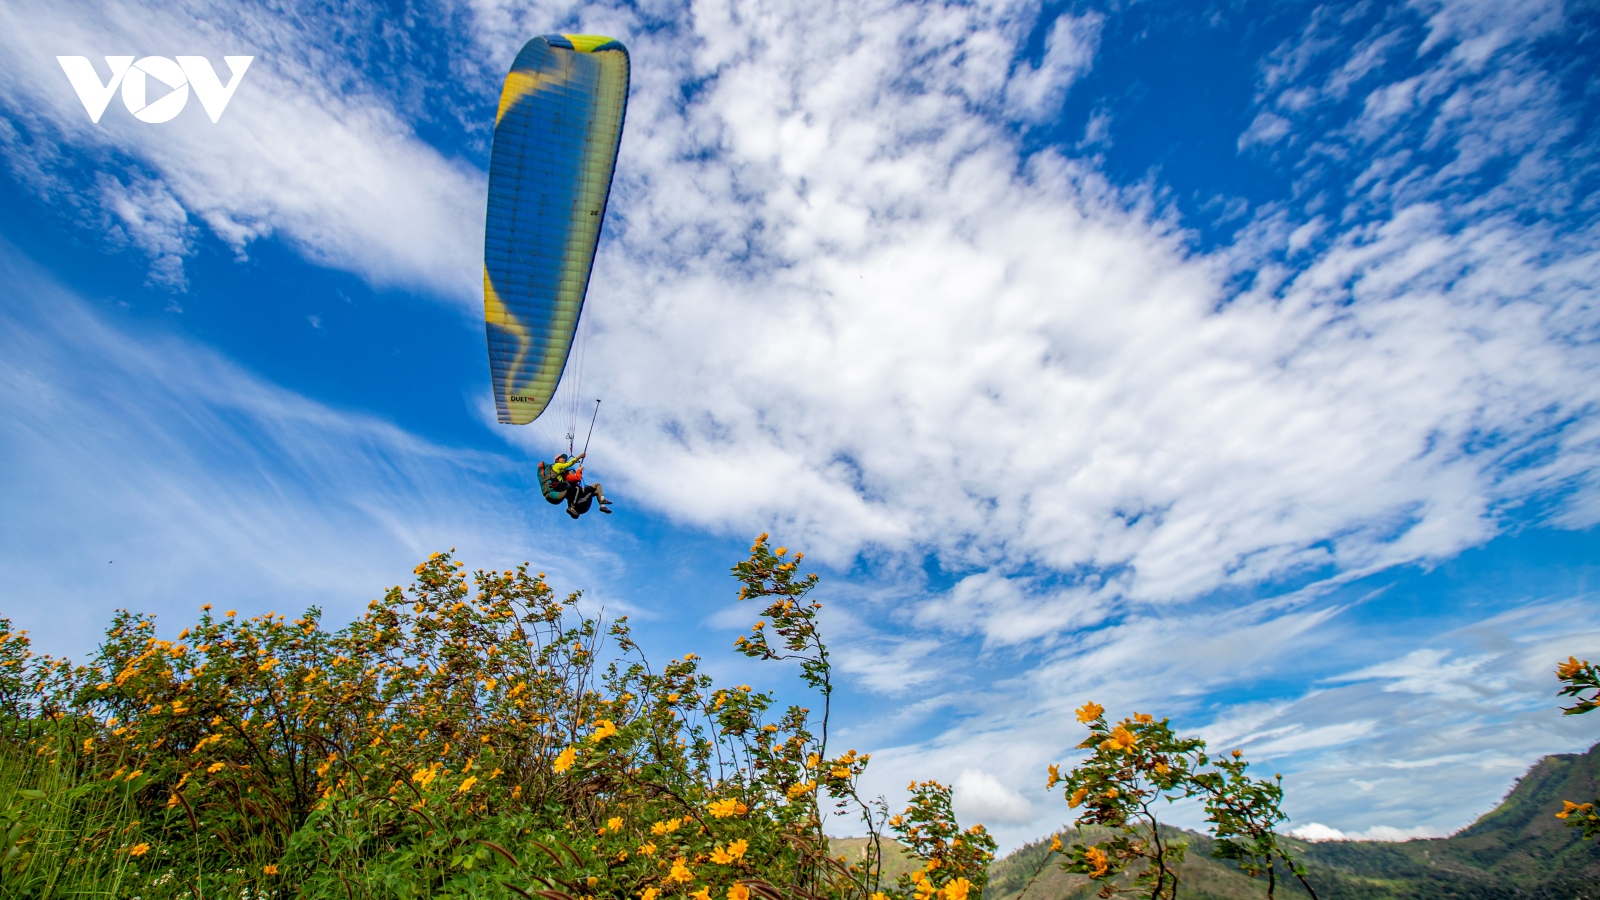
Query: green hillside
point(1518, 851)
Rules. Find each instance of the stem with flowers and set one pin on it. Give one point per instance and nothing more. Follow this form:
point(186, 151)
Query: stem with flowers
point(1580, 679)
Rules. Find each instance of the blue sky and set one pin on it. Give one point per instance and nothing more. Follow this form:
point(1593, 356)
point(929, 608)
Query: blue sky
point(1233, 362)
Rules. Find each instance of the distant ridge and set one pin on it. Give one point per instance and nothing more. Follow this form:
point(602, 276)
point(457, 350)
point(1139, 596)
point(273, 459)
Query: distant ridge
point(1517, 851)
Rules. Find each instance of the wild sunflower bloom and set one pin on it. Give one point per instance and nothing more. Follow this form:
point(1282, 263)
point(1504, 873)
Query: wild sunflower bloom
point(649, 893)
point(1089, 712)
point(467, 784)
point(957, 890)
point(1120, 739)
point(738, 892)
point(1096, 858)
point(1568, 808)
point(139, 849)
point(1571, 667)
point(722, 809)
point(1077, 797)
point(565, 760)
point(737, 848)
point(1055, 844)
point(614, 823)
point(1055, 775)
point(680, 872)
point(603, 729)
point(269, 870)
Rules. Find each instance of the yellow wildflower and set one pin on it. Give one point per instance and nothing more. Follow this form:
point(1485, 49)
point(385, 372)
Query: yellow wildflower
point(722, 809)
point(1077, 797)
point(603, 729)
point(647, 849)
point(1089, 712)
point(650, 894)
point(702, 894)
point(720, 856)
point(1568, 808)
point(1571, 667)
point(801, 789)
point(565, 760)
point(1055, 775)
point(467, 785)
point(957, 890)
point(738, 892)
point(667, 827)
point(139, 849)
point(269, 870)
point(87, 743)
point(1055, 844)
point(614, 823)
point(1121, 739)
point(680, 872)
point(737, 848)
point(1096, 858)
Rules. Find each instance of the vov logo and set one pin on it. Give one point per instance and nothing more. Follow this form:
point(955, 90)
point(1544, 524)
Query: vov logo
point(134, 78)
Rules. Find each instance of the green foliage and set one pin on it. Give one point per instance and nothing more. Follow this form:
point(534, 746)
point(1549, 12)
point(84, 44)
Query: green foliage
point(471, 736)
point(1244, 812)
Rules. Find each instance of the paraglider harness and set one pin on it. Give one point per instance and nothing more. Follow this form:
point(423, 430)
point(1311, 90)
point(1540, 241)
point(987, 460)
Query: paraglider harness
point(559, 480)
point(562, 480)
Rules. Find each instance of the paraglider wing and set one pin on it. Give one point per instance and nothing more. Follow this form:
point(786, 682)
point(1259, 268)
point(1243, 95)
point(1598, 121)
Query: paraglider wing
point(555, 149)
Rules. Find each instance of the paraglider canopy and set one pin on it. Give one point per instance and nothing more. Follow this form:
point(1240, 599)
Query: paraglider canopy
point(555, 150)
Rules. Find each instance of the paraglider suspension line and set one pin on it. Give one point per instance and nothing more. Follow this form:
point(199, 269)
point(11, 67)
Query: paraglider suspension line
point(591, 427)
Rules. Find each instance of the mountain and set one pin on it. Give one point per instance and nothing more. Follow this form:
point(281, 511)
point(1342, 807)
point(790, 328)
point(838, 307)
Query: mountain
point(1518, 851)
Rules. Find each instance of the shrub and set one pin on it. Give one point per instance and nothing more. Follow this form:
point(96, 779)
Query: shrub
point(455, 741)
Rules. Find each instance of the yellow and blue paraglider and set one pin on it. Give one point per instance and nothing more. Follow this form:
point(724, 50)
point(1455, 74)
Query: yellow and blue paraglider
point(555, 150)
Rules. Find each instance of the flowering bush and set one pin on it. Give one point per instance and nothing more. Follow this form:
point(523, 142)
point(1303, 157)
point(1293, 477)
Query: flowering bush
point(471, 736)
point(1134, 765)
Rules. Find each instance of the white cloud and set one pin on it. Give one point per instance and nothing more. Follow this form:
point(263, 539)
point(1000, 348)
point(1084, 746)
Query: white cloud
point(1316, 831)
point(980, 797)
point(1267, 128)
point(1036, 92)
